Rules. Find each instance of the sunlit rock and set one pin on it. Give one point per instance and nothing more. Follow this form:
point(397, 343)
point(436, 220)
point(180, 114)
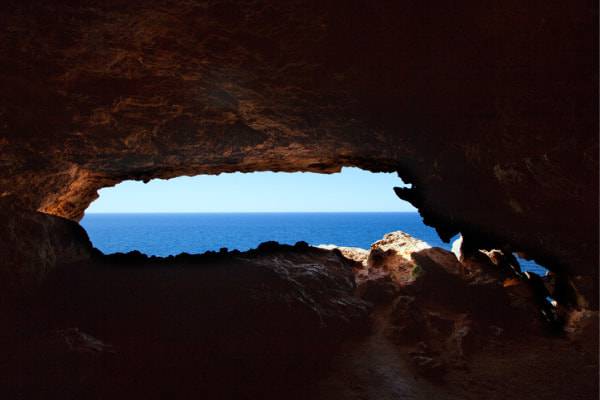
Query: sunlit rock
point(392, 256)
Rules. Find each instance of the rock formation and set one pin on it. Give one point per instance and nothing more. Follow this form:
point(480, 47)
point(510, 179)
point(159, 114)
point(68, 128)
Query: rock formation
point(490, 113)
point(32, 245)
point(443, 334)
point(215, 323)
point(131, 326)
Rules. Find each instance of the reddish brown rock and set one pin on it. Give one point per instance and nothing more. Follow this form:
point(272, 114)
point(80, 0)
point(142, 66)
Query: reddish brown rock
point(33, 244)
point(392, 256)
point(490, 114)
point(186, 325)
point(443, 312)
point(356, 254)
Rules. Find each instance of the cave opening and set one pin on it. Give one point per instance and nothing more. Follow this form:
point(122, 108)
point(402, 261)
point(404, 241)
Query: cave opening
point(491, 113)
point(288, 311)
point(239, 211)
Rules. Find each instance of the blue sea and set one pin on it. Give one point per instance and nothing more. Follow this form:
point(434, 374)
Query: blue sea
point(170, 234)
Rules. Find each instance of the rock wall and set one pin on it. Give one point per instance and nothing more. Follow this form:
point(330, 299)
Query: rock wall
point(33, 245)
point(454, 318)
point(489, 110)
point(229, 325)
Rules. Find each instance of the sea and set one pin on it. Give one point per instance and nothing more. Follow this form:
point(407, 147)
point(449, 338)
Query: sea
point(164, 234)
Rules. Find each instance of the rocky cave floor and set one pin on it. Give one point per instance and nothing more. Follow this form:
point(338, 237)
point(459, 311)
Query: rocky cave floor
point(402, 320)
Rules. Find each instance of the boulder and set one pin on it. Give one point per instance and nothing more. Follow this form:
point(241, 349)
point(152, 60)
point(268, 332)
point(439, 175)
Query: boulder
point(34, 243)
point(450, 303)
point(391, 256)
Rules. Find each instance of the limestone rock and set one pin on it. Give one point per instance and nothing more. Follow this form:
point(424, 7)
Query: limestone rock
point(392, 256)
point(183, 324)
point(99, 92)
point(380, 290)
point(449, 307)
point(355, 254)
point(33, 244)
point(318, 280)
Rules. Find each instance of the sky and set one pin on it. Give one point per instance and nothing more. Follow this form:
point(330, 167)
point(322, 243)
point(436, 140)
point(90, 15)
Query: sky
point(351, 190)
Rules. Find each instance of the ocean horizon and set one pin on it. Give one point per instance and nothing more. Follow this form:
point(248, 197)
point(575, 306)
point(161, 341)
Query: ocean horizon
point(172, 233)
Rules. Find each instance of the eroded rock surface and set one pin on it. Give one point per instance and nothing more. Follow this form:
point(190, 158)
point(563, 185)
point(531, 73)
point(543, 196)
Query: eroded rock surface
point(392, 256)
point(471, 327)
point(442, 308)
point(489, 113)
point(256, 324)
point(33, 244)
point(290, 321)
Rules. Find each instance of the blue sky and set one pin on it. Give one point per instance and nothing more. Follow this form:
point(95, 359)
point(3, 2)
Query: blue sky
point(351, 190)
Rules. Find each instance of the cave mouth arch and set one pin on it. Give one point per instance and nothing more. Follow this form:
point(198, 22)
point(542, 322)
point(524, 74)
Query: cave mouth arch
point(239, 211)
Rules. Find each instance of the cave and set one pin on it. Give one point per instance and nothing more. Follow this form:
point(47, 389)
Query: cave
point(239, 211)
point(489, 114)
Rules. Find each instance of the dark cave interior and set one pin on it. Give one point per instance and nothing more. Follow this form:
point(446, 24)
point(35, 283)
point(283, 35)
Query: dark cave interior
point(489, 113)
